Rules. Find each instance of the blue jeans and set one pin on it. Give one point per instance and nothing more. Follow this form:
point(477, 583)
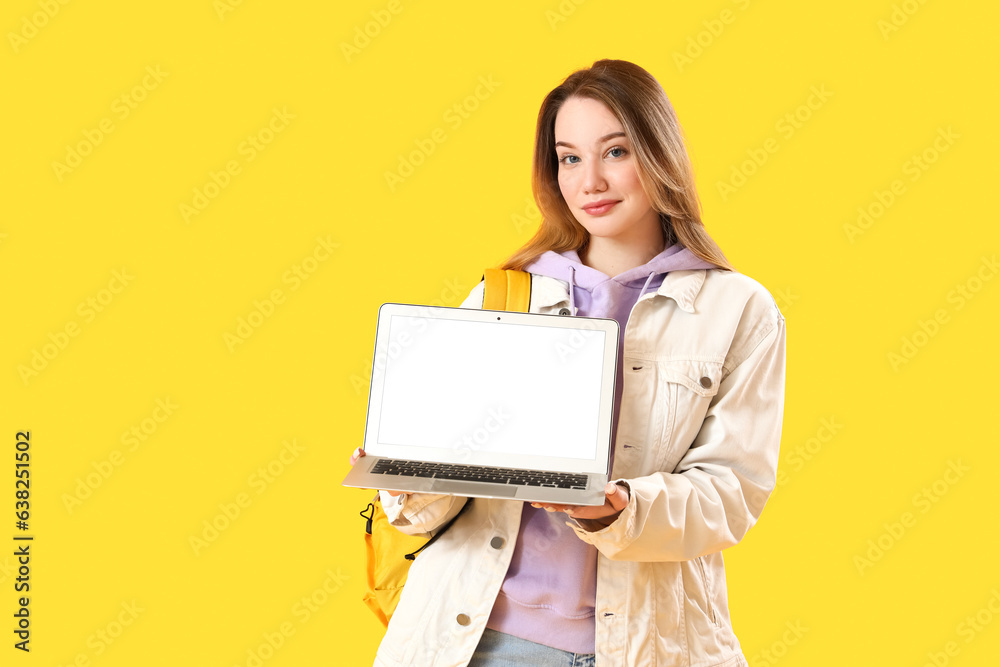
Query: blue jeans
point(497, 649)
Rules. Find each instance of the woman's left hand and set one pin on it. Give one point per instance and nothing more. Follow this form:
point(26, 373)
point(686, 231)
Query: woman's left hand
point(615, 500)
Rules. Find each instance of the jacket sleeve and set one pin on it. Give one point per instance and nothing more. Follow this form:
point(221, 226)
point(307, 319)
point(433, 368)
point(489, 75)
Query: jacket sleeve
point(422, 513)
point(719, 487)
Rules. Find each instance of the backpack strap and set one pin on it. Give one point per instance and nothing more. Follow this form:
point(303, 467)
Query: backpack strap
point(507, 289)
point(440, 531)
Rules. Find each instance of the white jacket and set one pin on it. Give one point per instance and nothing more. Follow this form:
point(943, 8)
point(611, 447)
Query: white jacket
point(697, 445)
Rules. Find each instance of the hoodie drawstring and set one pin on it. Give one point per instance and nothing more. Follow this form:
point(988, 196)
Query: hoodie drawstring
point(572, 289)
point(648, 280)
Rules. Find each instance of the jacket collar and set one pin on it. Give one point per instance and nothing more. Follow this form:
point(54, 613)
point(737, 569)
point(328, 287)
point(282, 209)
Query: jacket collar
point(683, 287)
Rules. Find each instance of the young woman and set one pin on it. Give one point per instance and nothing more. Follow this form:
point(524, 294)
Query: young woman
point(639, 580)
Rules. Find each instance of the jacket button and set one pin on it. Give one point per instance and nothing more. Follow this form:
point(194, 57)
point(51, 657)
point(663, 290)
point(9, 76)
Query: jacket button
point(706, 382)
point(564, 311)
point(463, 619)
point(497, 543)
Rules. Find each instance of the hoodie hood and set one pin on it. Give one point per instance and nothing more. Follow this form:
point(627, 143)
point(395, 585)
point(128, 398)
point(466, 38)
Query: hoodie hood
point(594, 294)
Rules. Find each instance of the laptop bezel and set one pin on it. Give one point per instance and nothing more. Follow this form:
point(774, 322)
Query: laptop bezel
point(599, 464)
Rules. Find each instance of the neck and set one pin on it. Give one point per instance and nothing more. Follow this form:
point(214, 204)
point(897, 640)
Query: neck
point(613, 257)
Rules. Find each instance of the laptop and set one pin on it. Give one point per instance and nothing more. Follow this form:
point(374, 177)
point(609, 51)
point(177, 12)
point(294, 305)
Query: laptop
point(487, 403)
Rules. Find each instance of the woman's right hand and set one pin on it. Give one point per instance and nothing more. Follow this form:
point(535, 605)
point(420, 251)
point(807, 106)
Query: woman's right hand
point(358, 453)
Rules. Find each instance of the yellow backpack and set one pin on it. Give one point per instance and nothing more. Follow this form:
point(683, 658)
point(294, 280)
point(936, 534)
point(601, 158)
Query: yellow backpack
point(388, 552)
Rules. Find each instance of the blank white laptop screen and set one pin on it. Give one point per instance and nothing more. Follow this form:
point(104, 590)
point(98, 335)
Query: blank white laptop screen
point(481, 390)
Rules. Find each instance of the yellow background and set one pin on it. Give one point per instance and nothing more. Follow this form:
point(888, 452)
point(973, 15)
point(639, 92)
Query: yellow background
point(863, 436)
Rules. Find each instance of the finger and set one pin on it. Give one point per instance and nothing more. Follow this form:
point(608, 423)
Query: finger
point(552, 508)
point(358, 453)
point(617, 496)
point(578, 511)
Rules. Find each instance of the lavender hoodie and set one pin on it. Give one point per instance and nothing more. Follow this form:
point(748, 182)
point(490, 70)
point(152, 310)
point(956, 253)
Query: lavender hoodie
point(549, 593)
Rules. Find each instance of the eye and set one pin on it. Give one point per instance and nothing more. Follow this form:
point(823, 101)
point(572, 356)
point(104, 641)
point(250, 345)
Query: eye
point(617, 151)
point(568, 159)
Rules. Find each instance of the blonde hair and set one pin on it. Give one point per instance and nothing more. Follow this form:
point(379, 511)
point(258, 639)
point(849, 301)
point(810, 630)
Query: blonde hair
point(639, 103)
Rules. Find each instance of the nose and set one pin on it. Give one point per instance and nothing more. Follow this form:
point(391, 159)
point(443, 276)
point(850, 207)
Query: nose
point(593, 177)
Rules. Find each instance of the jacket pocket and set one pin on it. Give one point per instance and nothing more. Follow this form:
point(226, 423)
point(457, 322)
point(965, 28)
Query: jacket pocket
point(689, 386)
point(709, 593)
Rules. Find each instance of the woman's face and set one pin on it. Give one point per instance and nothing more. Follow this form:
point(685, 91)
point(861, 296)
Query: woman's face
point(597, 173)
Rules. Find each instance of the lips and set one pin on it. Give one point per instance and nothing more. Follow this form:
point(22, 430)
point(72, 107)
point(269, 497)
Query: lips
point(600, 207)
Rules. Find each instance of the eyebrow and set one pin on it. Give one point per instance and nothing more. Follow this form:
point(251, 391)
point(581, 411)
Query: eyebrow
point(600, 141)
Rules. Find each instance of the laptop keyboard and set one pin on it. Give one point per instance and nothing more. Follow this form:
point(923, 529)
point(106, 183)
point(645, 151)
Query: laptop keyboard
point(555, 480)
